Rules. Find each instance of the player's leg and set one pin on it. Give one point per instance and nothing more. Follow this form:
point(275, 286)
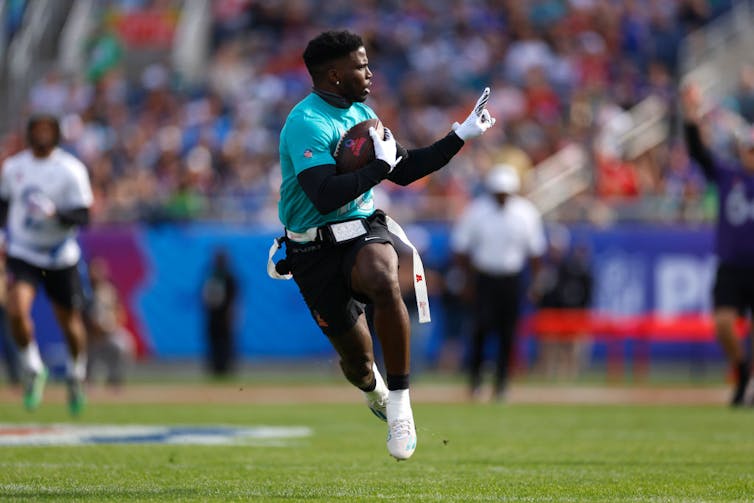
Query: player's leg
point(725, 330)
point(64, 289)
point(72, 325)
point(356, 352)
point(317, 270)
point(375, 276)
point(20, 299)
point(728, 299)
point(22, 280)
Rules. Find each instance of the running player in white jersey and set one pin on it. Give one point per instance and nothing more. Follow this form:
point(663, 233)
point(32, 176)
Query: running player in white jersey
point(45, 197)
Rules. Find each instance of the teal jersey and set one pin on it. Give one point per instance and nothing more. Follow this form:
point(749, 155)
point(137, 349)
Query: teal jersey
point(309, 137)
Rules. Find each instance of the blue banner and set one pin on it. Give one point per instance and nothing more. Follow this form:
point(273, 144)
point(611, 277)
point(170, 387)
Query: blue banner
point(637, 270)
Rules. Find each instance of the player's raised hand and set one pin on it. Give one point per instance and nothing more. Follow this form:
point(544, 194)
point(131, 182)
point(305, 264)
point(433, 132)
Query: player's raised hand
point(691, 101)
point(385, 149)
point(478, 121)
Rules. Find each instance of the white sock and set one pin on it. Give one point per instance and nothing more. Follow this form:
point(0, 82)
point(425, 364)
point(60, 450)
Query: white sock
point(399, 404)
point(380, 390)
point(30, 359)
point(76, 367)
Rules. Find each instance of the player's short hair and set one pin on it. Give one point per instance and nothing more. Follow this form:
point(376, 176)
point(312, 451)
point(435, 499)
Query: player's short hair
point(327, 47)
point(38, 118)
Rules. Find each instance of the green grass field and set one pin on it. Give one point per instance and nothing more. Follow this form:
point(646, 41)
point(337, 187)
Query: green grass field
point(467, 452)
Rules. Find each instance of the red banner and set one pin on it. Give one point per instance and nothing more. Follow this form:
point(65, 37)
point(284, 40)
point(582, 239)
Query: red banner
point(153, 28)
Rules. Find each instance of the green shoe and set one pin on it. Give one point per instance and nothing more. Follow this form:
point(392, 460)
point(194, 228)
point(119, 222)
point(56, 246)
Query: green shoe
point(34, 389)
point(76, 397)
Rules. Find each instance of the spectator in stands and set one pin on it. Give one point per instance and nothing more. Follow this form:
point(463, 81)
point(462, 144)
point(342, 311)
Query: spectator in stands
point(498, 235)
point(110, 344)
point(733, 293)
point(582, 54)
point(564, 290)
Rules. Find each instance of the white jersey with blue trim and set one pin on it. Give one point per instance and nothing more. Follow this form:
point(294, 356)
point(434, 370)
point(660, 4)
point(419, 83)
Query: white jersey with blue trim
point(32, 185)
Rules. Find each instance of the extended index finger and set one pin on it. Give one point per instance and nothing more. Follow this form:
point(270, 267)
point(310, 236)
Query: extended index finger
point(482, 101)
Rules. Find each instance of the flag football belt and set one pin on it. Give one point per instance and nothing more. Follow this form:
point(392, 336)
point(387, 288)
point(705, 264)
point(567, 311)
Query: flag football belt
point(339, 232)
point(346, 231)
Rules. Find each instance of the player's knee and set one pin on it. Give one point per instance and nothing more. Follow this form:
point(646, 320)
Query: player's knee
point(380, 282)
point(377, 272)
point(384, 287)
point(358, 371)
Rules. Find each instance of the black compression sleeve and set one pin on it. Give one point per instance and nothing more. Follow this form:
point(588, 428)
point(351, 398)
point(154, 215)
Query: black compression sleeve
point(697, 150)
point(75, 216)
point(4, 204)
point(420, 162)
point(329, 191)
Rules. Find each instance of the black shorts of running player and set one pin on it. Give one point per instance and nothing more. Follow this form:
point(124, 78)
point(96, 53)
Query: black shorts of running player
point(322, 271)
point(63, 286)
point(734, 287)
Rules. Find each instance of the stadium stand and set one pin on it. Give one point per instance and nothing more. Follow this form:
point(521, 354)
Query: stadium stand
point(164, 143)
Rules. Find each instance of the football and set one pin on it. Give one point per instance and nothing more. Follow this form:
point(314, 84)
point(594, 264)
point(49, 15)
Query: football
point(356, 148)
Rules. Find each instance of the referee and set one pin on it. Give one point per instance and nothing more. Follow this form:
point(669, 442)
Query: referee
point(497, 236)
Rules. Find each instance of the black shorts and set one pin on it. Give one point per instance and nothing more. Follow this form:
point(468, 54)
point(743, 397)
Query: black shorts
point(322, 271)
point(734, 287)
point(63, 286)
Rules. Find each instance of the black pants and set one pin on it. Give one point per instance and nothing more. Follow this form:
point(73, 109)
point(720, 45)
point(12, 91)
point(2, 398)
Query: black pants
point(496, 312)
point(221, 354)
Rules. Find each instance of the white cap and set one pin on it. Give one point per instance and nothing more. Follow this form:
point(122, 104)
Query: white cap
point(503, 179)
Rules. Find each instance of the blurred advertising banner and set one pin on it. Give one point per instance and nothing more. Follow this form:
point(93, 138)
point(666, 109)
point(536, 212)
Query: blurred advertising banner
point(660, 271)
point(149, 28)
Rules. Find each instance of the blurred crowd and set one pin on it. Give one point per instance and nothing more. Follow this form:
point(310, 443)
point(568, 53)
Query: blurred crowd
point(159, 148)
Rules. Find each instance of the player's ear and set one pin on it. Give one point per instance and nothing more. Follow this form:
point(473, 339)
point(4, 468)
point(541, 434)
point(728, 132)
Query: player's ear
point(332, 76)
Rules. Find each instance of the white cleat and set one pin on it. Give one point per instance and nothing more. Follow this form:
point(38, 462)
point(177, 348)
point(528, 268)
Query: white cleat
point(401, 437)
point(377, 399)
point(378, 405)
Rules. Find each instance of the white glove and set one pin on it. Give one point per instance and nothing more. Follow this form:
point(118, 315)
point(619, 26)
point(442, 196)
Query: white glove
point(385, 149)
point(478, 121)
point(41, 205)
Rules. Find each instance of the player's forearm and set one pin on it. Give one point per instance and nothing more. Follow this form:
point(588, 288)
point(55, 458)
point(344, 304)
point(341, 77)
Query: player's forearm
point(696, 148)
point(329, 191)
point(4, 204)
point(420, 162)
point(73, 217)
